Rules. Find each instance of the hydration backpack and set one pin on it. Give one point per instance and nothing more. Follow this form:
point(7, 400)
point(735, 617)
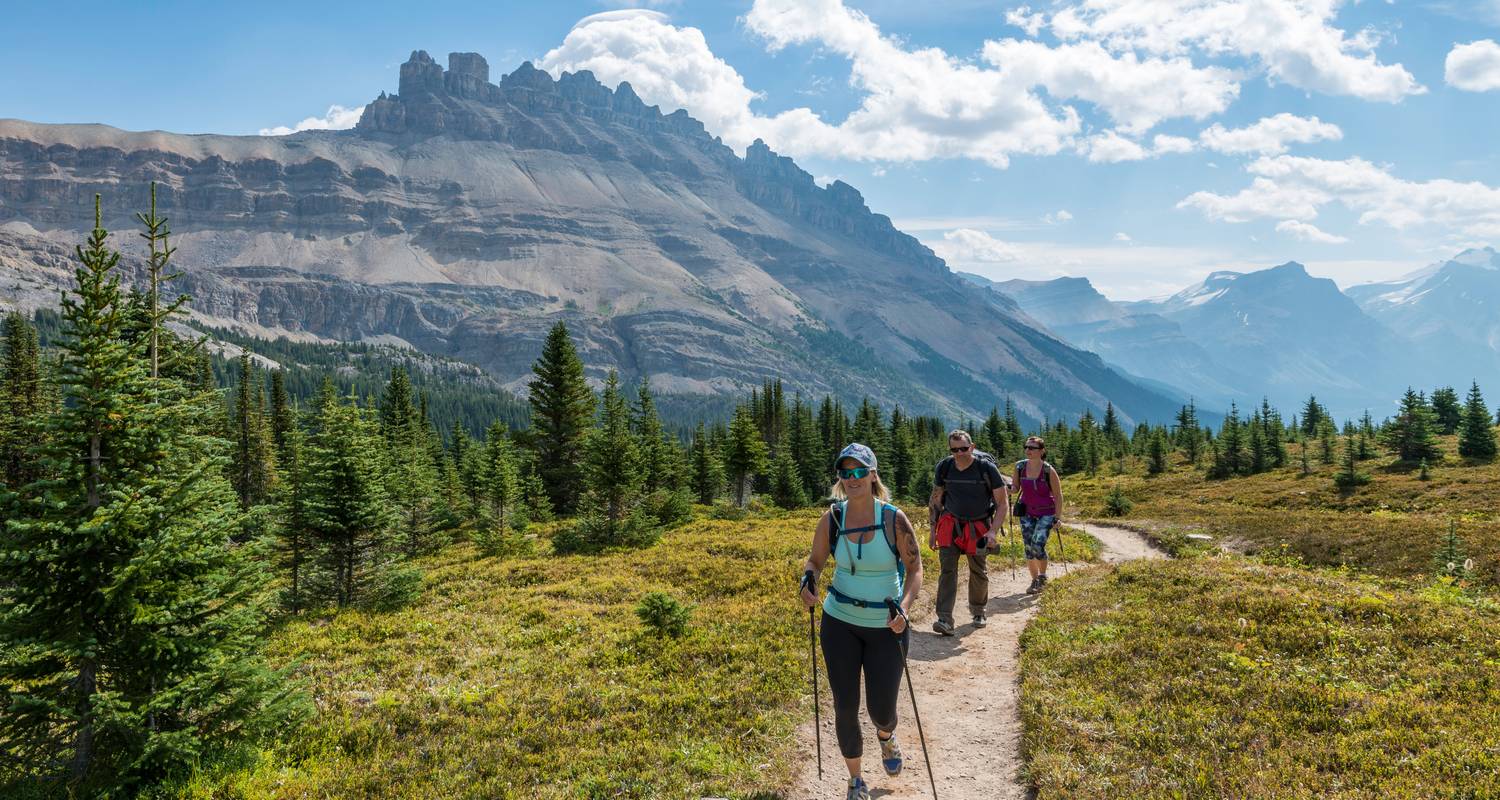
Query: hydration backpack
point(984, 474)
point(887, 524)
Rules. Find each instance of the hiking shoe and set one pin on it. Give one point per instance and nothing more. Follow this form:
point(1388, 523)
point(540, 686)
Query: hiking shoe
point(858, 790)
point(1036, 585)
point(1041, 581)
point(890, 755)
point(943, 627)
point(980, 620)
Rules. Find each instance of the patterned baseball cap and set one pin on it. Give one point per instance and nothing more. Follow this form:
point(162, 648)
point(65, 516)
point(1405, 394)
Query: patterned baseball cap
point(858, 452)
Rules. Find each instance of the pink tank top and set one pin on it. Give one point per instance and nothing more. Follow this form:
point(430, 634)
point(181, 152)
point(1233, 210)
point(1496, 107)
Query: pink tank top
point(1036, 492)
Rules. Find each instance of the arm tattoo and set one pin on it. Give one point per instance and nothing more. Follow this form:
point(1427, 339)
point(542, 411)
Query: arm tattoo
point(906, 539)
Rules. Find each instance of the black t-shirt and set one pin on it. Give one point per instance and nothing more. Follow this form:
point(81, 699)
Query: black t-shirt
point(965, 494)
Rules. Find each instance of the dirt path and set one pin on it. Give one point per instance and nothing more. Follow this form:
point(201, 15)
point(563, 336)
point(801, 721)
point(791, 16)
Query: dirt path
point(966, 692)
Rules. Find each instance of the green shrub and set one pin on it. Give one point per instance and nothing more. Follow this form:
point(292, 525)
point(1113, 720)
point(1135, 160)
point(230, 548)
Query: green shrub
point(729, 511)
point(663, 615)
point(1116, 504)
point(396, 587)
point(591, 534)
point(493, 540)
point(669, 509)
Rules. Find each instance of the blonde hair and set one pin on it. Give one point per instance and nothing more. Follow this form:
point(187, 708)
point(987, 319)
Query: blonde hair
point(876, 488)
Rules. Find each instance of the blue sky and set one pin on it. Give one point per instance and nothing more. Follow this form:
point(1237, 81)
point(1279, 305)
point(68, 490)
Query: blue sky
point(1140, 143)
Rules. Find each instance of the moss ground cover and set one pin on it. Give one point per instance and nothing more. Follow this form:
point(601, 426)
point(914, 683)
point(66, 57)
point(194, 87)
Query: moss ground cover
point(535, 678)
point(1226, 677)
point(1390, 526)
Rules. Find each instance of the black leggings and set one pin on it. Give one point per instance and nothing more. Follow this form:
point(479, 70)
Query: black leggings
point(846, 648)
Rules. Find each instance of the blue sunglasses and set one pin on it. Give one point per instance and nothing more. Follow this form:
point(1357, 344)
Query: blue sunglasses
point(854, 472)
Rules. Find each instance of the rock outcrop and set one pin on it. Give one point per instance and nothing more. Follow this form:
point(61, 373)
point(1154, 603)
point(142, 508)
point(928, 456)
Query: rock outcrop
point(467, 216)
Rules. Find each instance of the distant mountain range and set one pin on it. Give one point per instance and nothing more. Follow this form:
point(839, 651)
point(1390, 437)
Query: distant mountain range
point(465, 218)
point(1283, 334)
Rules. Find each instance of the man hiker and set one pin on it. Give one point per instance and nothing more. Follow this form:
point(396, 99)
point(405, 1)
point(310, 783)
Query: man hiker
point(968, 492)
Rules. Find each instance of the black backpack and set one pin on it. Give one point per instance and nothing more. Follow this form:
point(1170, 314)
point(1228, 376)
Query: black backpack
point(979, 455)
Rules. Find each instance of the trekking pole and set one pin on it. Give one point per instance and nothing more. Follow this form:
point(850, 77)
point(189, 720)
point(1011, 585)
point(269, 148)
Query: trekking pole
point(895, 610)
point(812, 656)
point(1062, 547)
point(1012, 548)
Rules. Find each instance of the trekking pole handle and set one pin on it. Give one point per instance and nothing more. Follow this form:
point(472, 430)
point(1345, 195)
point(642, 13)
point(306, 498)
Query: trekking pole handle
point(895, 609)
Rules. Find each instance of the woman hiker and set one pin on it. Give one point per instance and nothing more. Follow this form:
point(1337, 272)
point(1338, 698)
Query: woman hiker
point(1041, 493)
point(875, 550)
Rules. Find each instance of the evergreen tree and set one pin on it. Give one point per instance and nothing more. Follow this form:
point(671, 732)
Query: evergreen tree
point(869, 428)
point(1229, 455)
point(1274, 432)
point(806, 450)
point(612, 463)
point(1257, 445)
point(22, 402)
point(1410, 434)
point(1156, 459)
point(1447, 413)
point(901, 459)
point(347, 505)
point(661, 460)
point(502, 482)
point(1114, 435)
point(707, 468)
point(786, 487)
point(253, 459)
point(283, 417)
point(744, 454)
point(1188, 438)
point(992, 434)
point(562, 411)
point(1348, 476)
point(1327, 438)
point(131, 627)
point(1476, 437)
point(1312, 417)
point(411, 484)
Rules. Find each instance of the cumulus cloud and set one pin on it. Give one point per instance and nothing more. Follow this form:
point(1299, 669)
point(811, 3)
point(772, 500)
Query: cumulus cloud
point(969, 246)
point(1308, 232)
point(1110, 147)
point(337, 118)
point(1022, 17)
point(915, 103)
point(1293, 41)
point(1270, 135)
point(1164, 144)
point(1296, 188)
point(1473, 67)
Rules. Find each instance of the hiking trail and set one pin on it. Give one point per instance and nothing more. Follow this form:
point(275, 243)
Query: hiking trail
point(967, 692)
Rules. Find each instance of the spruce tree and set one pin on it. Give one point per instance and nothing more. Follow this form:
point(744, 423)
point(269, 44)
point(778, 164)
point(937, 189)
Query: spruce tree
point(347, 503)
point(806, 449)
point(1410, 434)
point(611, 460)
point(411, 474)
point(1156, 460)
point(1349, 476)
point(707, 469)
point(661, 457)
point(992, 434)
point(1446, 411)
point(744, 454)
point(1312, 417)
point(901, 460)
point(562, 412)
point(1327, 439)
point(131, 626)
point(253, 459)
point(1188, 439)
point(1229, 449)
point(869, 428)
point(22, 402)
point(501, 480)
point(1476, 437)
point(786, 488)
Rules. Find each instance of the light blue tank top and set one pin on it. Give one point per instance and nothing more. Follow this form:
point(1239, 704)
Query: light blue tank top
point(867, 572)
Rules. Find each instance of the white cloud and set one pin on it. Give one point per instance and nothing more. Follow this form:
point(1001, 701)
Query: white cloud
point(1164, 144)
point(1473, 67)
point(1294, 41)
point(915, 103)
point(1057, 219)
point(1308, 232)
point(1296, 188)
point(969, 246)
point(337, 118)
point(666, 65)
point(1023, 18)
point(1123, 237)
point(1270, 135)
point(1110, 147)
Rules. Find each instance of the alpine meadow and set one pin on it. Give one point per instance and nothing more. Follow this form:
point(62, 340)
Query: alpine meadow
point(583, 432)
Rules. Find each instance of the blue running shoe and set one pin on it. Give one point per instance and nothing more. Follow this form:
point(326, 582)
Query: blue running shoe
point(890, 756)
point(858, 790)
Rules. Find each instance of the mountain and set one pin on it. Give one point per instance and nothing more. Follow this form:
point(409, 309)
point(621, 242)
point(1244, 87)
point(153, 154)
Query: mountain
point(1145, 344)
point(466, 217)
point(1450, 312)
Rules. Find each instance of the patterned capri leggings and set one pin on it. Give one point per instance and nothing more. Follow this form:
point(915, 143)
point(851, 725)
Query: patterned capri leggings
point(1035, 530)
